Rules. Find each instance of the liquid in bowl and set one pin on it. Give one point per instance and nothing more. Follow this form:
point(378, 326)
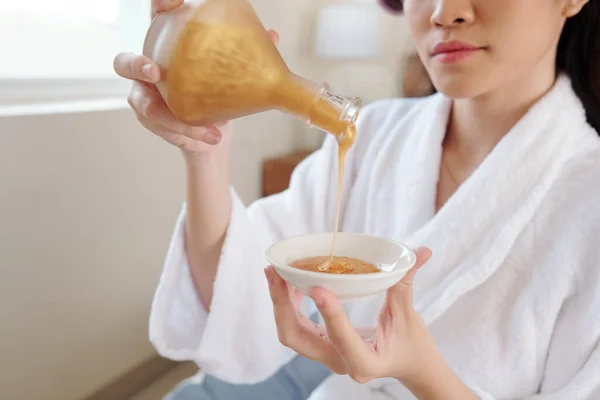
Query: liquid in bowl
point(335, 265)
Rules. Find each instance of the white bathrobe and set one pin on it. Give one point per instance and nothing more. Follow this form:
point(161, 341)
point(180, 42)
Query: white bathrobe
point(511, 295)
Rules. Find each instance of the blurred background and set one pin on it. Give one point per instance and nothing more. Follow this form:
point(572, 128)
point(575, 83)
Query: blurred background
point(88, 198)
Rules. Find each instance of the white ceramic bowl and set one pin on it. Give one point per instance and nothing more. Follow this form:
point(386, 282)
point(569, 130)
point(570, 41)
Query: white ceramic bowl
point(392, 258)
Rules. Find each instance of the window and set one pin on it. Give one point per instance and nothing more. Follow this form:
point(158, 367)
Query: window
point(65, 48)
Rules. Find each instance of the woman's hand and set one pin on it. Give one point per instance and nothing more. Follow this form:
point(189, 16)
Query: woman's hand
point(401, 346)
point(388, 351)
point(150, 108)
point(153, 113)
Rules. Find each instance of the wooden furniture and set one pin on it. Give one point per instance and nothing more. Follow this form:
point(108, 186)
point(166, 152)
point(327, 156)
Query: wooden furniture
point(278, 171)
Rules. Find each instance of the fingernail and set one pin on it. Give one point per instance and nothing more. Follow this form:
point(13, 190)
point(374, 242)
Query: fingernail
point(269, 277)
point(213, 137)
point(146, 70)
point(318, 301)
point(145, 109)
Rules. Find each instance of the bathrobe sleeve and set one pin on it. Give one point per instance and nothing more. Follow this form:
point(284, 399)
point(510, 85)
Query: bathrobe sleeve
point(572, 365)
point(237, 341)
point(572, 368)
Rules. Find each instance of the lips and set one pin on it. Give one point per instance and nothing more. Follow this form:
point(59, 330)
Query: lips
point(454, 46)
point(453, 51)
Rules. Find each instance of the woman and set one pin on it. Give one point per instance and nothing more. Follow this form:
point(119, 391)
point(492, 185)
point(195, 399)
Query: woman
point(497, 174)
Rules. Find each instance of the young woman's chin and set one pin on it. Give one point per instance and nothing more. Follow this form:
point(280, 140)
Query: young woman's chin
point(458, 85)
point(463, 77)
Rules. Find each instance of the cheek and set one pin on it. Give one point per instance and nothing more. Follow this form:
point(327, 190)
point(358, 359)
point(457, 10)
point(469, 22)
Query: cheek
point(417, 15)
point(524, 32)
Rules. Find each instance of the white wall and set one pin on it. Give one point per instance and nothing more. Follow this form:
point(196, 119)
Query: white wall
point(87, 206)
point(87, 201)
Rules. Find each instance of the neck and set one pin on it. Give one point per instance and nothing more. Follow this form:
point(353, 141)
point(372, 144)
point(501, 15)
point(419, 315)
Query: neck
point(477, 124)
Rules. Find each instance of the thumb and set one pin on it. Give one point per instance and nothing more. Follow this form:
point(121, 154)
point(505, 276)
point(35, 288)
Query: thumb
point(423, 255)
point(402, 291)
point(159, 6)
point(274, 36)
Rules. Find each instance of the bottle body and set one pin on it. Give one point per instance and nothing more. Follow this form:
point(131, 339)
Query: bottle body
point(219, 64)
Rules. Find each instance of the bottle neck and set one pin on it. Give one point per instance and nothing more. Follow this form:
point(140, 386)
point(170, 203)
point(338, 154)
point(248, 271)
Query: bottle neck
point(318, 106)
point(334, 113)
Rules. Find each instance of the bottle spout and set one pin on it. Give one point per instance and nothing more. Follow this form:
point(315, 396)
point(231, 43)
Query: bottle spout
point(334, 113)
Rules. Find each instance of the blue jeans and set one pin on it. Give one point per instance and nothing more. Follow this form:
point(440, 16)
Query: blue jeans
point(294, 381)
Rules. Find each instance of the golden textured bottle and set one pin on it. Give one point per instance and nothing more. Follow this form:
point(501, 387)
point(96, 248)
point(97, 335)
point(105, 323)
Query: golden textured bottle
point(219, 63)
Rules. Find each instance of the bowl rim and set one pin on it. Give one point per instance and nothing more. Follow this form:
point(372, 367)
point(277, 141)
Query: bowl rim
point(342, 277)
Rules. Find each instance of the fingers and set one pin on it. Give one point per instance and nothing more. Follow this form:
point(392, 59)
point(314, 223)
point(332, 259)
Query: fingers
point(284, 309)
point(297, 297)
point(400, 295)
point(360, 358)
point(159, 6)
point(153, 127)
point(174, 138)
point(150, 105)
point(274, 36)
point(135, 67)
point(423, 255)
point(291, 331)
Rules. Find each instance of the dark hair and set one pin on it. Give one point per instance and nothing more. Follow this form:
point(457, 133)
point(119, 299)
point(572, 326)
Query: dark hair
point(578, 55)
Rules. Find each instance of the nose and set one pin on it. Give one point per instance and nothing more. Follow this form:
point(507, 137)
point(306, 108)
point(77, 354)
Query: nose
point(452, 13)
